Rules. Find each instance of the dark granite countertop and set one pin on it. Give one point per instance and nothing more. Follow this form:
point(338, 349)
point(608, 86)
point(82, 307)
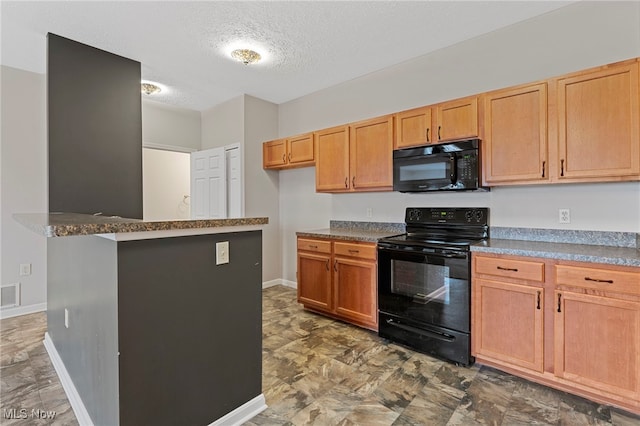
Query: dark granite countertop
point(355, 231)
point(624, 256)
point(68, 224)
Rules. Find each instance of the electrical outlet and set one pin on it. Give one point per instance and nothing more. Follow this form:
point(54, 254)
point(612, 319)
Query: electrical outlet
point(222, 252)
point(369, 212)
point(564, 216)
point(66, 318)
point(25, 269)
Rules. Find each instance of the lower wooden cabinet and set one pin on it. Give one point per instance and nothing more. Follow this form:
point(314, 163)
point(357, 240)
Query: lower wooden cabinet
point(339, 278)
point(509, 323)
point(569, 325)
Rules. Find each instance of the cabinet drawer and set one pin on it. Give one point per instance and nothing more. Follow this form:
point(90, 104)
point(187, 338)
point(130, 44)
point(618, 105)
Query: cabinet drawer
point(318, 246)
point(598, 278)
point(510, 268)
point(362, 251)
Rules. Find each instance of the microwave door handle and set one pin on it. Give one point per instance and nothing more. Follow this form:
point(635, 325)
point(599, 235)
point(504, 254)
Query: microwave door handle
point(454, 171)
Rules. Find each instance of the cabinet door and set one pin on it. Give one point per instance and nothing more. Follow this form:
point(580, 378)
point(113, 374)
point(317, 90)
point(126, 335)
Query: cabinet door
point(457, 119)
point(413, 128)
point(597, 343)
point(599, 124)
point(508, 323)
point(356, 291)
point(301, 150)
point(314, 280)
point(274, 154)
point(515, 135)
point(332, 159)
point(371, 154)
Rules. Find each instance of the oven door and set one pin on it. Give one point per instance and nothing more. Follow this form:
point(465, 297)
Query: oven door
point(428, 172)
point(429, 288)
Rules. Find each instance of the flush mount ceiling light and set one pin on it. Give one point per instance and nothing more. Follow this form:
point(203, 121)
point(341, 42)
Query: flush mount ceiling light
point(246, 56)
point(149, 89)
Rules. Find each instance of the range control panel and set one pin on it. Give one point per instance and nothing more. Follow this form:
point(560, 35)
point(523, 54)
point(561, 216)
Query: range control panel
point(450, 215)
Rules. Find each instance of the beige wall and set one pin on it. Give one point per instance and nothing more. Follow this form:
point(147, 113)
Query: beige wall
point(575, 37)
point(261, 187)
point(166, 180)
point(250, 121)
point(223, 124)
point(24, 182)
point(170, 127)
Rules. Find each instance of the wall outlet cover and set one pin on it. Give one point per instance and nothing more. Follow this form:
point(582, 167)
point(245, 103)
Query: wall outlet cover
point(222, 252)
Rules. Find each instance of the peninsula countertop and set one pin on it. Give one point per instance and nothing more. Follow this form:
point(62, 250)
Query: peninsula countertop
point(72, 224)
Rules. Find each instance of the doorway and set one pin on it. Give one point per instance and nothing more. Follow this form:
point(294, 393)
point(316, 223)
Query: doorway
point(217, 189)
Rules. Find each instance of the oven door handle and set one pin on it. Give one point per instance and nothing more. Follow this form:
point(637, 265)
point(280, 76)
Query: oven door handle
point(440, 336)
point(461, 255)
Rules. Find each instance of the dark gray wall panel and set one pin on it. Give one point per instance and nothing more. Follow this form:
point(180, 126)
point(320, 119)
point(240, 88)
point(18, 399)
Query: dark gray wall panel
point(189, 330)
point(95, 130)
point(81, 274)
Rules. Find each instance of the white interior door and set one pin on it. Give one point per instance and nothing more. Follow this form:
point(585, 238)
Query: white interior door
point(208, 184)
point(234, 181)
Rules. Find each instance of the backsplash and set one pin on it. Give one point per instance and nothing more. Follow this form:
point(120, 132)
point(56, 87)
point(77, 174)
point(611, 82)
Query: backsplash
point(598, 238)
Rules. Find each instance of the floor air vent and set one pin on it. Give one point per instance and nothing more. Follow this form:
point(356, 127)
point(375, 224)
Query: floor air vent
point(10, 295)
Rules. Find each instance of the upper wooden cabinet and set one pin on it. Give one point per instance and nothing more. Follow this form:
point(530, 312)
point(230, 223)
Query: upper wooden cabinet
point(598, 119)
point(332, 159)
point(515, 135)
point(296, 151)
point(357, 157)
point(457, 119)
point(413, 128)
point(274, 154)
point(371, 154)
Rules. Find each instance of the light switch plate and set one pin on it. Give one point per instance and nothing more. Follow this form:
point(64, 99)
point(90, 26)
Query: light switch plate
point(222, 252)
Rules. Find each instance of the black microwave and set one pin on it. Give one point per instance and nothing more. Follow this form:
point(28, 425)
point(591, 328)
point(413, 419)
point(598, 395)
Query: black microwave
point(449, 166)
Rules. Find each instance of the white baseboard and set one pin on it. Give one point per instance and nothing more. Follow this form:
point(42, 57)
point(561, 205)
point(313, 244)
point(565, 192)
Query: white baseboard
point(279, 281)
point(22, 310)
point(67, 384)
point(243, 413)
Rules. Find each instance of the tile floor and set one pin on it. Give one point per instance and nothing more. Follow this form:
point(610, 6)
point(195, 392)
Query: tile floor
point(323, 372)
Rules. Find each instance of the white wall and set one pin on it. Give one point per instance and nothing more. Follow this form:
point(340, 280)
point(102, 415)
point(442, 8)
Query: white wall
point(168, 126)
point(165, 183)
point(575, 37)
point(24, 183)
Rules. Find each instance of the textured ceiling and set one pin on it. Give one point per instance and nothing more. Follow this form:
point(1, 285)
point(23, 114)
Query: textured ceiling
point(306, 46)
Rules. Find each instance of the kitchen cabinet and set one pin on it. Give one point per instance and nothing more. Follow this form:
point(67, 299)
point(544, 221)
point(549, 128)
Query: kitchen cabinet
point(457, 119)
point(515, 135)
point(314, 274)
point(597, 330)
point(339, 278)
point(598, 124)
point(332, 159)
point(451, 120)
point(357, 157)
point(296, 151)
point(413, 128)
point(355, 278)
point(508, 311)
point(371, 154)
point(574, 326)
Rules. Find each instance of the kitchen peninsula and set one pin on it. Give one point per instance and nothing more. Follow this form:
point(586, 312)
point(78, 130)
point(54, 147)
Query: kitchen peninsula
point(149, 323)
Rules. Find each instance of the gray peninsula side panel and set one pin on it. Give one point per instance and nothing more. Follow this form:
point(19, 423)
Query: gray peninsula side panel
point(82, 278)
point(95, 130)
point(190, 331)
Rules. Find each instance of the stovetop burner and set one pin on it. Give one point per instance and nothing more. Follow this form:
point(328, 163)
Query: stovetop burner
point(453, 228)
